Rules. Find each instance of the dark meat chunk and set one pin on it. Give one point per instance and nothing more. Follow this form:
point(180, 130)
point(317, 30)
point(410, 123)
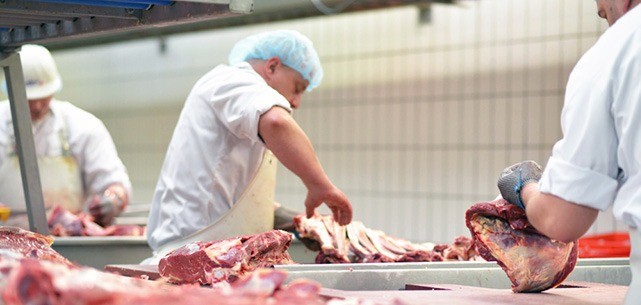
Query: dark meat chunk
point(225, 260)
point(532, 261)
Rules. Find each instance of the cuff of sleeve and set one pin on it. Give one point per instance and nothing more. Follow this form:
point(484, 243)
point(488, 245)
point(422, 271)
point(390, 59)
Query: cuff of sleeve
point(261, 105)
point(579, 185)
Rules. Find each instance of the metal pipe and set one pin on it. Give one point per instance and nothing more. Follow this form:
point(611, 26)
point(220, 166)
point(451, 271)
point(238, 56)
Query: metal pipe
point(10, 62)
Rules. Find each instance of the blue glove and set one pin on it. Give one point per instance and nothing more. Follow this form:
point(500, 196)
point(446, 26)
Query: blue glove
point(105, 207)
point(515, 177)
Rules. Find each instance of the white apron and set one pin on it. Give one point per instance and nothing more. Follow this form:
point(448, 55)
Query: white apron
point(59, 177)
point(253, 212)
point(633, 297)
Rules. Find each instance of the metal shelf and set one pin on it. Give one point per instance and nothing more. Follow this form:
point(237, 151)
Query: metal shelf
point(42, 21)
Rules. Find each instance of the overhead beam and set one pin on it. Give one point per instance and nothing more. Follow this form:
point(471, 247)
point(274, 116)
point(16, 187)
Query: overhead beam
point(264, 11)
point(92, 22)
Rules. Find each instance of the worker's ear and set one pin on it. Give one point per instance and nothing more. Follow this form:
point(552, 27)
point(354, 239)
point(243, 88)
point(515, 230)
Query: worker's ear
point(272, 64)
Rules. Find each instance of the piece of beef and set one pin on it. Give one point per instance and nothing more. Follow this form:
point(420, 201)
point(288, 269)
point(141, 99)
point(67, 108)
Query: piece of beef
point(421, 256)
point(359, 232)
point(262, 282)
point(225, 260)
point(64, 223)
point(382, 245)
point(532, 261)
point(338, 235)
point(269, 282)
point(125, 230)
point(33, 274)
point(364, 245)
point(299, 291)
point(315, 228)
point(462, 249)
point(33, 282)
point(268, 249)
point(18, 243)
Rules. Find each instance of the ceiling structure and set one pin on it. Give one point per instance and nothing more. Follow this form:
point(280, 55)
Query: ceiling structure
point(60, 24)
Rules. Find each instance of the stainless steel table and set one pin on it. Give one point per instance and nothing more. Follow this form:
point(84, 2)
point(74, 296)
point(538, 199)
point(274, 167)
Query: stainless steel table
point(394, 276)
point(100, 251)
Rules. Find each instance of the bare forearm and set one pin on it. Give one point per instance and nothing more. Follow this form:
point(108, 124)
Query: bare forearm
point(292, 147)
point(556, 218)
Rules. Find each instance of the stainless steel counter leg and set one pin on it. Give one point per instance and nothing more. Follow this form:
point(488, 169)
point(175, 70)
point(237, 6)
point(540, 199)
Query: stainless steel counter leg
point(10, 62)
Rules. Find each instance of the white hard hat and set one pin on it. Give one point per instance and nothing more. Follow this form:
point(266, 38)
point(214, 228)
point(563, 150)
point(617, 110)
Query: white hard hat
point(41, 75)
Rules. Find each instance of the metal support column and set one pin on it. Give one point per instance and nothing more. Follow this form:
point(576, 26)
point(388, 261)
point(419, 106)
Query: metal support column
point(10, 62)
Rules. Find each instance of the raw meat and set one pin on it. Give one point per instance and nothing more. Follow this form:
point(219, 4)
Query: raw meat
point(31, 273)
point(17, 243)
point(356, 243)
point(64, 223)
point(41, 282)
point(332, 250)
point(532, 261)
point(225, 260)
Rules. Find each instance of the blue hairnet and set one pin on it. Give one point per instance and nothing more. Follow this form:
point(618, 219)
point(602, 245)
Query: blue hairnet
point(294, 50)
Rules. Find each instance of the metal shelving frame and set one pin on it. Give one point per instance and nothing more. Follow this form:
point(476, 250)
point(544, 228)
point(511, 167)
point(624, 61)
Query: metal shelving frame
point(10, 62)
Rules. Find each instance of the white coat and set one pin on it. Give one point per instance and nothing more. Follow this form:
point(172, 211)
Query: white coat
point(90, 148)
point(214, 153)
point(598, 162)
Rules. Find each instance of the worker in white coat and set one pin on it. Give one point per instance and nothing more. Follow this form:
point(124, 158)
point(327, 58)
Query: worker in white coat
point(597, 163)
point(219, 174)
point(77, 159)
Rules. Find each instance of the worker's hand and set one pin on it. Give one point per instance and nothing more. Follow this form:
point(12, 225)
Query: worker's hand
point(514, 178)
point(106, 206)
point(334, 198)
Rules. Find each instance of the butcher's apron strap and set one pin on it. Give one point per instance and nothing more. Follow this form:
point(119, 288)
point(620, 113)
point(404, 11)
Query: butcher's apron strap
point(634, 291)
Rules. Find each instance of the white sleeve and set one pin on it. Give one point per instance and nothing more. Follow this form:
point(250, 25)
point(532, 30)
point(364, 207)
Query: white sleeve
point(583, 168)
point(96, 153)
point(240, 109)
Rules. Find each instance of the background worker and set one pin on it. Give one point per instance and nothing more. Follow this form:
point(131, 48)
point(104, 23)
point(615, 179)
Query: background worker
point(77, 159)
point(597, 163)
point(219, 174)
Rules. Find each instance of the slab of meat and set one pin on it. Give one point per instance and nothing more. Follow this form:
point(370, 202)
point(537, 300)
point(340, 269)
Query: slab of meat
point(31, 273)
point(532, 261)
point(225, 260)
point(356, 243)
point(64, 223)
point(17, 243)
point(318, 228)
point(40, 282)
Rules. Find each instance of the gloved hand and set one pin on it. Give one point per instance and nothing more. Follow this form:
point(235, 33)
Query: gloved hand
point(515, 177)
point(105, 207)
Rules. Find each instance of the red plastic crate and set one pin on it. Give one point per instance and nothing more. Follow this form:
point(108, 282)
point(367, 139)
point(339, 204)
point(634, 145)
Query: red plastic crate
point(615, 244)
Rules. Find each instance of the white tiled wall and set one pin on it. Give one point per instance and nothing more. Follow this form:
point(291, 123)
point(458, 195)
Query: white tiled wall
point(414, 121)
